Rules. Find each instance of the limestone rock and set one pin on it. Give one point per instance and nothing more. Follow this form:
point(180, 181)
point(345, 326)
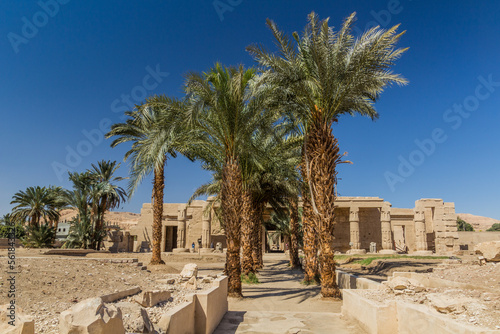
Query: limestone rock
point(166, 281)
point(410, 286)
point(447, 304)
point(490, 250)
point(136, 318)
point(190, 270)
point(398, 283)
point(191, 284)
point(22, 323)
point(91, 316)
point(151, 298)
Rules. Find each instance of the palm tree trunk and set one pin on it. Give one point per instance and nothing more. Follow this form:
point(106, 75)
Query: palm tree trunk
point(246, 232)
point(324, 157)
point(310, 236)
point(257, 236)
point(231, 202)
point(294, 232)
point(100, 222)
point(158, 186)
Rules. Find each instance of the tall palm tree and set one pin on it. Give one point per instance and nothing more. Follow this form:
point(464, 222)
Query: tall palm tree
point(157, 132)
point(34, 204)
point(110, 196)
point(322, 75)
point(222, 108)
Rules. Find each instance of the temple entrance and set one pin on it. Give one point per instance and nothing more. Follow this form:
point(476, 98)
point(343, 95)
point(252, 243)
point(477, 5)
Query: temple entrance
point(400, 239)
point(275, 242)
point(170, 238)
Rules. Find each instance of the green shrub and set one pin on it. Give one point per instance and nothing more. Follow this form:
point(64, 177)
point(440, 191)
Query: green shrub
point(40, 237)
point(494, 228)
point(462, 225)
point(5, 231)
point(250, 279)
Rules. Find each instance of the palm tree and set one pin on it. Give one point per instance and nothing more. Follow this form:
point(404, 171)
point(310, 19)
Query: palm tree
point(156, 131)
point(110, 196)
point(34, 204)
point(224, 111)
point(59, 203)
point(322, 75)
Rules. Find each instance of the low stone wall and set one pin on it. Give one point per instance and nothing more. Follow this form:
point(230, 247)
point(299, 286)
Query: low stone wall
point(434, 282)
point(350, 281)
point(374, 318)
point(416, 319)
point(403, 317)
point(201, 314)
point(180, 319)
point(4, 243)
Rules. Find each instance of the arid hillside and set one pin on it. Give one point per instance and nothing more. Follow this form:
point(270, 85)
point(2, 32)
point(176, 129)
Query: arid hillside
point(479, 223)
point(123, 219)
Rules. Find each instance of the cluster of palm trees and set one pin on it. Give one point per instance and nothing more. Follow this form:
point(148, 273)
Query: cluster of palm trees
point(266, 135)
point(94, 192)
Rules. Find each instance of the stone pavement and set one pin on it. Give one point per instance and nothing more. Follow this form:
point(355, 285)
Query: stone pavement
point(281, 304)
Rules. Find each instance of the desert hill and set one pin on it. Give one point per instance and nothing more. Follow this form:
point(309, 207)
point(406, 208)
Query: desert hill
point(479, 223)
point(125, 220)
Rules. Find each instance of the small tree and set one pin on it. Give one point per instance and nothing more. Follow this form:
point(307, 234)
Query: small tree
point(462, 225)
point(40, 236)
point(494, 228)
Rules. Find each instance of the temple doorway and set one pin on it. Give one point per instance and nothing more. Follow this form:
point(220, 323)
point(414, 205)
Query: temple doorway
point(170, 238)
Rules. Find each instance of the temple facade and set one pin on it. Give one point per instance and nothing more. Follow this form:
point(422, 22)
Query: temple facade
point(363, 224)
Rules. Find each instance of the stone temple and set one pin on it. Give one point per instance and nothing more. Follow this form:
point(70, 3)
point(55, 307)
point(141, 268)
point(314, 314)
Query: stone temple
point(363, 224)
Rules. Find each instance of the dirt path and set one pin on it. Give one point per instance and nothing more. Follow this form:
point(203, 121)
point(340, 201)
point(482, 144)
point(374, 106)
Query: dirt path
point(281, 304)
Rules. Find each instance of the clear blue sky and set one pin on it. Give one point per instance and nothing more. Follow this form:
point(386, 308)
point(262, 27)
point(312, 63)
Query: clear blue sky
point(66, 74)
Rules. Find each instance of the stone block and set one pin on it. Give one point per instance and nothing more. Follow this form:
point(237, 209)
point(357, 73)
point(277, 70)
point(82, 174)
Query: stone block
point(190, 270)
point(91, 316)
point(22, 323)
point(151, 298)
point(136, 319)
point(490, 250)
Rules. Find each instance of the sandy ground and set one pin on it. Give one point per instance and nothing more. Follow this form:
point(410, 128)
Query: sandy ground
point(48, 285)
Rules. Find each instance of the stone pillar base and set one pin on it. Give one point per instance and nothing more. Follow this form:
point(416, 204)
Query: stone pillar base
point(387, 251)
point(180, 250)
point(356, 251)
point(206, 250)
point(422, 253)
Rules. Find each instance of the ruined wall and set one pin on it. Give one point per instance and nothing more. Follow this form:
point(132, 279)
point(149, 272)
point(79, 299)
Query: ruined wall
point(341, 230)
point(429, 226)
point(369, 227)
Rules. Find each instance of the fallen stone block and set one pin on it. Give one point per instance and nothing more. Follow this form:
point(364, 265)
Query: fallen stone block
point(120, 294)
point(447, 304)
point(91, 316)
point(166, 281)
point(151, 298)
point(191, 284)
point(190, 270)
point(22, 323)
point(135, 318)
point(490, 250)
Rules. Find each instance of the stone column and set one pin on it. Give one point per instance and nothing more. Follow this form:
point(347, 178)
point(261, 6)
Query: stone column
point(385, 227)
point(205, 228)
point(181, 229)
point(420, 233)
point(354, 227)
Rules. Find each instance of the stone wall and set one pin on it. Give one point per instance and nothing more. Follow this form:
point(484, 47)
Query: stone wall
point(429, 226)
point(467, 240)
